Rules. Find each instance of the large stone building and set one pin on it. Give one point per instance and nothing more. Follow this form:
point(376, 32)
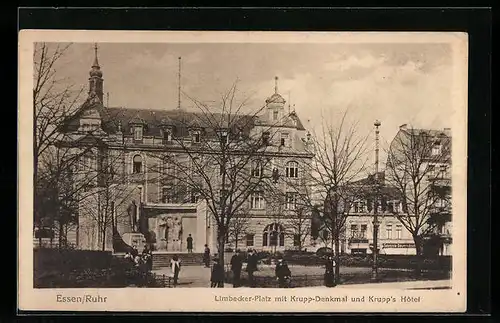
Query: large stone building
point(135, 164)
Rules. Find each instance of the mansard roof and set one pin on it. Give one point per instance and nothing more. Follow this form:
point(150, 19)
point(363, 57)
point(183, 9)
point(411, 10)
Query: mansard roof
point(181, 120)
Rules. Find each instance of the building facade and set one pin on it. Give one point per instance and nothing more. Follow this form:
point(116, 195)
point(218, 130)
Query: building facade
point(154, 176)
point(414, 198)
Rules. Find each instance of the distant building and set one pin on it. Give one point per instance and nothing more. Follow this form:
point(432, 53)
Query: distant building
point(430, 164)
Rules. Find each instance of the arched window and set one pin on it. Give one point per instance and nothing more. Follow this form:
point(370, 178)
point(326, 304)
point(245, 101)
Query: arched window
point(274, 235)
point(292, 169)
point(137, 164)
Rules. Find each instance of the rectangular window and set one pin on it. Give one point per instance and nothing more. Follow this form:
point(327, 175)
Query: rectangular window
point(354, 230)
point(436, 149)
point(291, 200)
point(388, 231)
point(397, 205)
point(257, 201)
point(250, 239)
point(223, 196)
point(166, 195)
point(363, 231)
point(296, 240)
point(138, 133)
point(275, 115)
point(256, 169)
point(194, 197)
point(399, 231)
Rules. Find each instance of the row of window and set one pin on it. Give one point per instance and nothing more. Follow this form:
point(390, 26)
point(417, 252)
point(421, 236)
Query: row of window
point(273, 235)
point(389, 206)
point(291, 168)
point(138, 132)
point(359, 231)
point(170, 194)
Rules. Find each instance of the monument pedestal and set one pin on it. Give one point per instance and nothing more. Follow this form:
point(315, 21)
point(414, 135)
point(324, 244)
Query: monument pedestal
point(135, 239)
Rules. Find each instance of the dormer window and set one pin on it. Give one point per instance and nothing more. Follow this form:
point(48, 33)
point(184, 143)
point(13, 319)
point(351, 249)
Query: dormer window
point(284, 140)
point(224, 138)
point(275, 115)
point(138, 132)
point(196, 137)
point(167, 135)
point(265, 138)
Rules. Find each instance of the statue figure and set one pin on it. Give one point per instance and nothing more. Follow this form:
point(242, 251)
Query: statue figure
point(175, 233)
point(132, 213)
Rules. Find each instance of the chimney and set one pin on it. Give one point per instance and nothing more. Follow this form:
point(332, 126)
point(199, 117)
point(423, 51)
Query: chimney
point(447, 131)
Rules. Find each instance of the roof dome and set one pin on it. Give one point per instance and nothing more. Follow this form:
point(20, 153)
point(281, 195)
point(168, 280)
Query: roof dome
point(275, 98)
point(95, 71)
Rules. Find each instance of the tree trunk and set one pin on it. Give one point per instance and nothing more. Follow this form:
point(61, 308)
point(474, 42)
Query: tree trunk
point(337, 259)
point(104, 239)
point(221, 244)
point(418, 247)
point(61, 235)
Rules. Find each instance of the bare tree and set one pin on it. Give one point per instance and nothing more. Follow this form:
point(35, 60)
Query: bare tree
point(238, 227)
point(418, 168)
point(339, 159)
point(221, 158)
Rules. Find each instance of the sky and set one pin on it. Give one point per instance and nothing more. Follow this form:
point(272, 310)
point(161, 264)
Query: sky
point(396, 83)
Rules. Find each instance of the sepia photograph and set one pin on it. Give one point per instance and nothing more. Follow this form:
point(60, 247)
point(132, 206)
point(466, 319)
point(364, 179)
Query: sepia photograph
point(326, 165)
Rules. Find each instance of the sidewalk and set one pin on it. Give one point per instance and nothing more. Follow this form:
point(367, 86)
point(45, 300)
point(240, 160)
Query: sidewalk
point(425, 284)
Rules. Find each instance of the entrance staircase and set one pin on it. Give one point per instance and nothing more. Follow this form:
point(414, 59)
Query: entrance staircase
point(161, 260)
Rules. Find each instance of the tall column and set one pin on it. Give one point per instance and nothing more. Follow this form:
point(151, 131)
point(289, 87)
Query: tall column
point(376, 223)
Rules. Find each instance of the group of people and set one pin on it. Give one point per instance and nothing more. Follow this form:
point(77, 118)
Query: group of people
point(143, 261)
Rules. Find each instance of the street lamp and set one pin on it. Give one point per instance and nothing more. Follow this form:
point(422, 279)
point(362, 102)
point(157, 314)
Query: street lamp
point(375, 211)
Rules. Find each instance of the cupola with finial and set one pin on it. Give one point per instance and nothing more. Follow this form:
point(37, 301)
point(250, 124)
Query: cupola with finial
point(275, 104)
point(95, 80)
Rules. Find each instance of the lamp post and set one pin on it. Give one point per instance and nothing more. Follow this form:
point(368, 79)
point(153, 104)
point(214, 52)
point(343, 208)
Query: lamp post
point(375, 209)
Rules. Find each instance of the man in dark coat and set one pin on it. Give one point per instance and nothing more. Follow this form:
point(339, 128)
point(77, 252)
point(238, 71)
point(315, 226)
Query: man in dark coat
point(206, 256)
point(147, 255)
point(283, 273)
point(190, 243)
point(236, 264)
point(217, 277)
point(251, 267)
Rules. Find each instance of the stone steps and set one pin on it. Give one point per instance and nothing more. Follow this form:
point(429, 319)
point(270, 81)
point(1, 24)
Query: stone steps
point(187, 259)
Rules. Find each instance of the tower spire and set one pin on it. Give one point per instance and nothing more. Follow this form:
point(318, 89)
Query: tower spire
point(95, 80)
point(179, 85)
point(96, 61)
point(276, 84)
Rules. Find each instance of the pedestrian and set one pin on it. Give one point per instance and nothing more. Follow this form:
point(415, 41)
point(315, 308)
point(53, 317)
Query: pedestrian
point(283, 273)
point(147, 255)
point(236, 264)
point(189, 243)
point(251, 267)
point(330, 272)
point(217, 276)
point(206, 256)
point(175, 265)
